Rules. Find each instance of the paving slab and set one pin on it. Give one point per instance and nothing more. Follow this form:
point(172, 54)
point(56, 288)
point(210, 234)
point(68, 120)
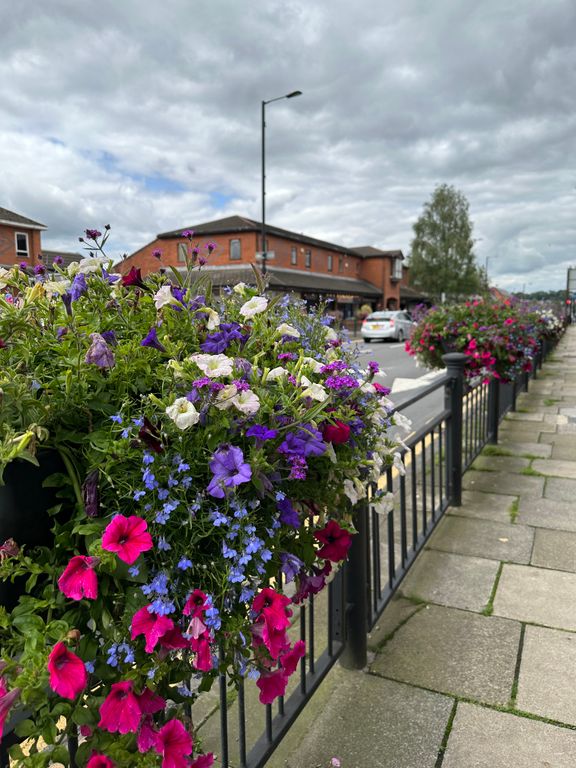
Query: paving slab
point(501, 482)
point(539, 450)
point(564, 452)
point(554, 549)
point(537, 595)
point(500, 463)
point(555, 468)
point(548, 674)
point(557, 439)
point(531, 433)
point(566, 429)
point(546, 513)
point(485, 738)
point(397, 612)
point(487, 506)
point(560, 489)
point(368, 721)
point(523, 416)
point(484, 538)
point(452, 580)
point(454, 652)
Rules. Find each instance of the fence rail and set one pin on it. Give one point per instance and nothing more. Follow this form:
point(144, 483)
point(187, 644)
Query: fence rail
point(335, 623)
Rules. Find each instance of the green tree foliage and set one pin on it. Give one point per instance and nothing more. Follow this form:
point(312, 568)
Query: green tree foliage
point(442, 259)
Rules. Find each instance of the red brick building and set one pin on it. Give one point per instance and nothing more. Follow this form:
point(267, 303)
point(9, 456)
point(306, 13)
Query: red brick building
point(296, 262)
point(20, 239)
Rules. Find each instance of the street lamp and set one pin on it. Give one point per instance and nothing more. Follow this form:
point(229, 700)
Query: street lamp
point(263, 232)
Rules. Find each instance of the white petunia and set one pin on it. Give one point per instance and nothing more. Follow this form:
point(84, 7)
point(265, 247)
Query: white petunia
point(92, 264)
point(314, 365)
point(183, 413)
point(240, 288)
point(383, 503)
point(247, 402)
point(399, 464)
point(213, 318)
point(163, 296)
point(214, 365)
point(254, 306)
point(225, 397)
point(315, 391)
point(355, 490)
point(401, 421)
point(276, 373)
point(330, 334)
point(56, 286)
point(288, 330)
point(367, 387)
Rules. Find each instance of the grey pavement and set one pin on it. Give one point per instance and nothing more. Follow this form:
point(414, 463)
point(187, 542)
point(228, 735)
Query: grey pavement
point(473, 664)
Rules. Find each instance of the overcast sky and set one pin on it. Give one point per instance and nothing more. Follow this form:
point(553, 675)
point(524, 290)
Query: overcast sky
point(146, 115)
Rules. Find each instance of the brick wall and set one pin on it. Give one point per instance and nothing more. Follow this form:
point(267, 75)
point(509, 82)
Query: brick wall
point(8, 253)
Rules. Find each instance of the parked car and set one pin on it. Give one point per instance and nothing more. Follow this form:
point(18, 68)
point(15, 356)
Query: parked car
point(387, 325)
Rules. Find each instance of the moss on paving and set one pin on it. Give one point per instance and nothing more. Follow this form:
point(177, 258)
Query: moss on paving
point(489, 607)
point(513, 510)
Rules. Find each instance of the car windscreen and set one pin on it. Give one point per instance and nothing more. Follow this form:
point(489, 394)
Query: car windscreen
point(380, 316)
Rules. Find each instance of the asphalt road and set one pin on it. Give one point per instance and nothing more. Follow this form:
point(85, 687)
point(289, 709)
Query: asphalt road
point(404, 378)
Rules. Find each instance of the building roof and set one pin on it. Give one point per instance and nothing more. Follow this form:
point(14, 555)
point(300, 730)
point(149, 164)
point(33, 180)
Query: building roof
point(9, 217)
point(406, 292)
point(67, 257)
point(369, 252)
point(292, 279)
point(241, 224)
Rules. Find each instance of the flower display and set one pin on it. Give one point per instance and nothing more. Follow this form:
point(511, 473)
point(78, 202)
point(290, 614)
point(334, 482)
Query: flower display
point(499, 339)
point(210, 448)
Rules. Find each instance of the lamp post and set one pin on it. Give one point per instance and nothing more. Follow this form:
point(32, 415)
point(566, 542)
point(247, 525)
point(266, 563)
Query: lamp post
point(263, 231)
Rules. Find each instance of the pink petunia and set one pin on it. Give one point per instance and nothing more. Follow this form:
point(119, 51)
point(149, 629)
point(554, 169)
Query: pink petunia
point(272, 685)
point(336, 542)
point(100, 761)
point(7, 699)
point(203, 761)
point(68, 674)
point(272, 605)
point(150, 702)
point(147, 735)
point(152, 626)
point(128, 537)
point(196, 604)
point(174, 743)
point(173, 639)
point(201, 647)
point(79, 579)
point(120, 711)
point(289, 661)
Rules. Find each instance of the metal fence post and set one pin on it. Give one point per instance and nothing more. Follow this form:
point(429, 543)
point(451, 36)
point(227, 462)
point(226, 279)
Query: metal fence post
point(453, 401)
point(355, 653)
point(493, 410)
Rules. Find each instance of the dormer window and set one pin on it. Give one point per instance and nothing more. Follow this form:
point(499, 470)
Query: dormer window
point(397, 269)
point(22, 249)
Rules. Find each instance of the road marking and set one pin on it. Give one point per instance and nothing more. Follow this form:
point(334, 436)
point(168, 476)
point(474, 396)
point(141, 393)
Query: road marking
point(401, 385)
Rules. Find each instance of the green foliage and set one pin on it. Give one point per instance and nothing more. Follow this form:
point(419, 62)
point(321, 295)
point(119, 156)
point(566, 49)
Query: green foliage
point(442, 258)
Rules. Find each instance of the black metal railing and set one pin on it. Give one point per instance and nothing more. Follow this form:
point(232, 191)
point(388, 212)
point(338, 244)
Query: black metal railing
point(335, 623)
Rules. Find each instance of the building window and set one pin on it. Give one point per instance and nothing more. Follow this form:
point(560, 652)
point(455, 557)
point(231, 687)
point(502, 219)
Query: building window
point(308, 258)
point(22, 250)
point(293, 255)
point(235, 250)
point(397, 269)
point(340, 263)
point(182, 253)
point(330, 259)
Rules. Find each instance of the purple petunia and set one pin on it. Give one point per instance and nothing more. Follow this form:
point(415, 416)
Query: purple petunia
point(341, 382)
point(307, 441)
point(291, 565)
point(229, 469)
point(151, 340)
point(218, 342)
point(78, 286)
point(288, 515)
point(99, 353)
point(260, 432)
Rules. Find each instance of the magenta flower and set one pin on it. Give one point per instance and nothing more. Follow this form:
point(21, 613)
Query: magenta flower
point(128, 537)
point(336, 542)
point(229, 469)
point(7, 699)
point(68, 674)
point(133, 278)
point(174, 743)
point(151, 625)
point(203, 761)
point(289, 661)
point(146, 735)
point(78, 579)
point(150, 702)
point(100, 761)
point(92, 234)
point(99, 353)
point(120, 711)
point(272, 685)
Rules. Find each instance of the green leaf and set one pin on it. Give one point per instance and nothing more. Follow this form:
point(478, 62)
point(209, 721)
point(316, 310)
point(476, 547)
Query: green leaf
point(60, 755)
point(28, 623)
point(25, 729)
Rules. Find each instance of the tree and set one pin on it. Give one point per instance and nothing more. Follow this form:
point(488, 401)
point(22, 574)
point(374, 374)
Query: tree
point(442, 260)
